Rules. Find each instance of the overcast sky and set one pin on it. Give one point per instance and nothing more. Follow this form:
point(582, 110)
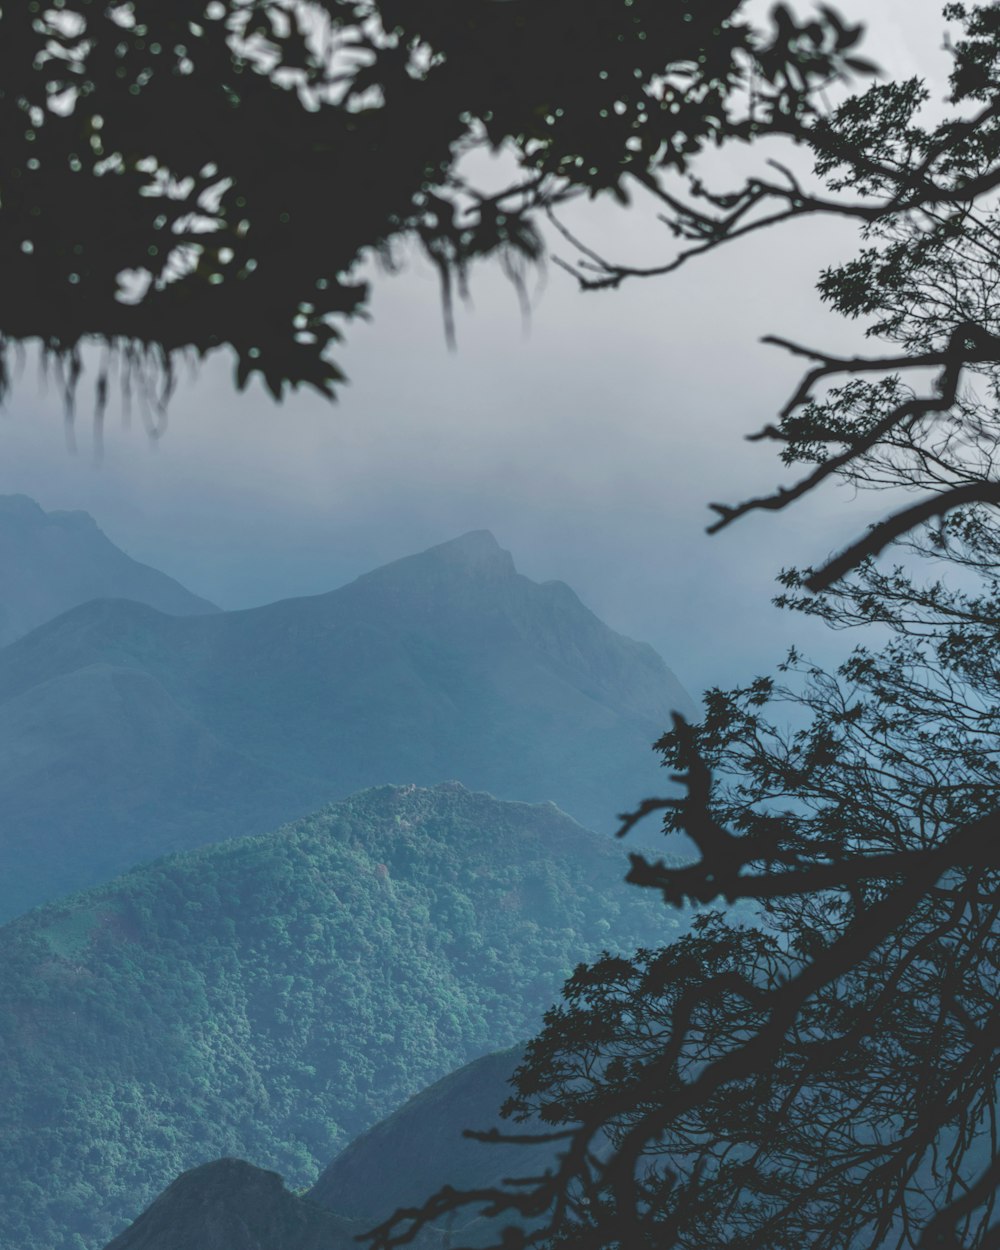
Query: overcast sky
point(590, 443)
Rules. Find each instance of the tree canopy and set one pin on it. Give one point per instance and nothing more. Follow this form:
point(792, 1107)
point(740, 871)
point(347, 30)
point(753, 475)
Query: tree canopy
point(215, 173)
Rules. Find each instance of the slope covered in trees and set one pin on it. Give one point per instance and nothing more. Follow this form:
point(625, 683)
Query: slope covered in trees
point(126, 734)
point(272, 997)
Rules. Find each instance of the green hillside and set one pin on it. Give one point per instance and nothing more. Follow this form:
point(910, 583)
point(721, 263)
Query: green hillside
point(231, 1205)
point(270, 998)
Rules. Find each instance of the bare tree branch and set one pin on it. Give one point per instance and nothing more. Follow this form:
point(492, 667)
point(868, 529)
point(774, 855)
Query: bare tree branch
point(902, 522)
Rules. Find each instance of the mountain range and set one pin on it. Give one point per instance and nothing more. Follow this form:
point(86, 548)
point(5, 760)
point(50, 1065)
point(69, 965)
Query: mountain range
point(127, 733)
point(272, 997)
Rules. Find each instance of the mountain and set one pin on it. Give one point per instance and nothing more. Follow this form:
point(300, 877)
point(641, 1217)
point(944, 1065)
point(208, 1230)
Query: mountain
point(399, 1162)
point(272, 997)
point(126, 733)
point(231, 1205)
point(419, 1149)
point(53, 561)
point(413, 1152)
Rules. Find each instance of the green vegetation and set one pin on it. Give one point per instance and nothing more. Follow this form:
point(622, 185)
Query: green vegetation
point(272, 997)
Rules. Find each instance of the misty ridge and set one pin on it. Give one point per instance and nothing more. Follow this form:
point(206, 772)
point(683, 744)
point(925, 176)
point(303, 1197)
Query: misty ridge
point(165, 732)
point(250, 1004)
point(51, 562)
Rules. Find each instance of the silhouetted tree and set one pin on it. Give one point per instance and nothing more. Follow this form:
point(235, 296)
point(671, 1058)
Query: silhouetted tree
point(213, 173)
point(828, 1075)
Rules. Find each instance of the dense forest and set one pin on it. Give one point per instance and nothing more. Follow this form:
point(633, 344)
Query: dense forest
point(273, 996)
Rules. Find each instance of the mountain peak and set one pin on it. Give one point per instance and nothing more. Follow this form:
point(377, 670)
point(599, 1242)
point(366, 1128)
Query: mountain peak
point(476, 548)
point(20, 506)
point(476, 554)
point(474, 541)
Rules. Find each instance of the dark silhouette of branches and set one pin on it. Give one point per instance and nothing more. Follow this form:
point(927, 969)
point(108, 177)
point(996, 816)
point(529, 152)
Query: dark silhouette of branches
point(217, 174)
point(880, 536)
point(968, 344)
point(830, 1073)
point(823, 1070)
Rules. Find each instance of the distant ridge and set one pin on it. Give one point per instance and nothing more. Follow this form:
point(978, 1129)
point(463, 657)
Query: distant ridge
point(53, 561)
point(126, 733)
point(420, 1148)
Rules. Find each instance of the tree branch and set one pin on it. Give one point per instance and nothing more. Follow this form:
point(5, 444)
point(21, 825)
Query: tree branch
point(968, 344)
point(900, 523)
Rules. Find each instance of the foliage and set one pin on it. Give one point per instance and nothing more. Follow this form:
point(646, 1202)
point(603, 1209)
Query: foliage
point(828, 1075)
point(272, 997)
point(216, 172)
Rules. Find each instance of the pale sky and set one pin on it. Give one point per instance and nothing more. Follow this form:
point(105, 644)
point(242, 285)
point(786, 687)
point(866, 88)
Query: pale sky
point(590, 444)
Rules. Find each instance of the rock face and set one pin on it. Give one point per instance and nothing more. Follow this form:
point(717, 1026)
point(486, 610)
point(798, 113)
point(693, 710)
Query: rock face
point(231, 1205)
point(53, 561)
point(271, 998)
point(126, 733)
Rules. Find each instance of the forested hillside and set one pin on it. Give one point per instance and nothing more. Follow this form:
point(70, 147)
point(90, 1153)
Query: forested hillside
point(272, 997)
point(126, 734)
